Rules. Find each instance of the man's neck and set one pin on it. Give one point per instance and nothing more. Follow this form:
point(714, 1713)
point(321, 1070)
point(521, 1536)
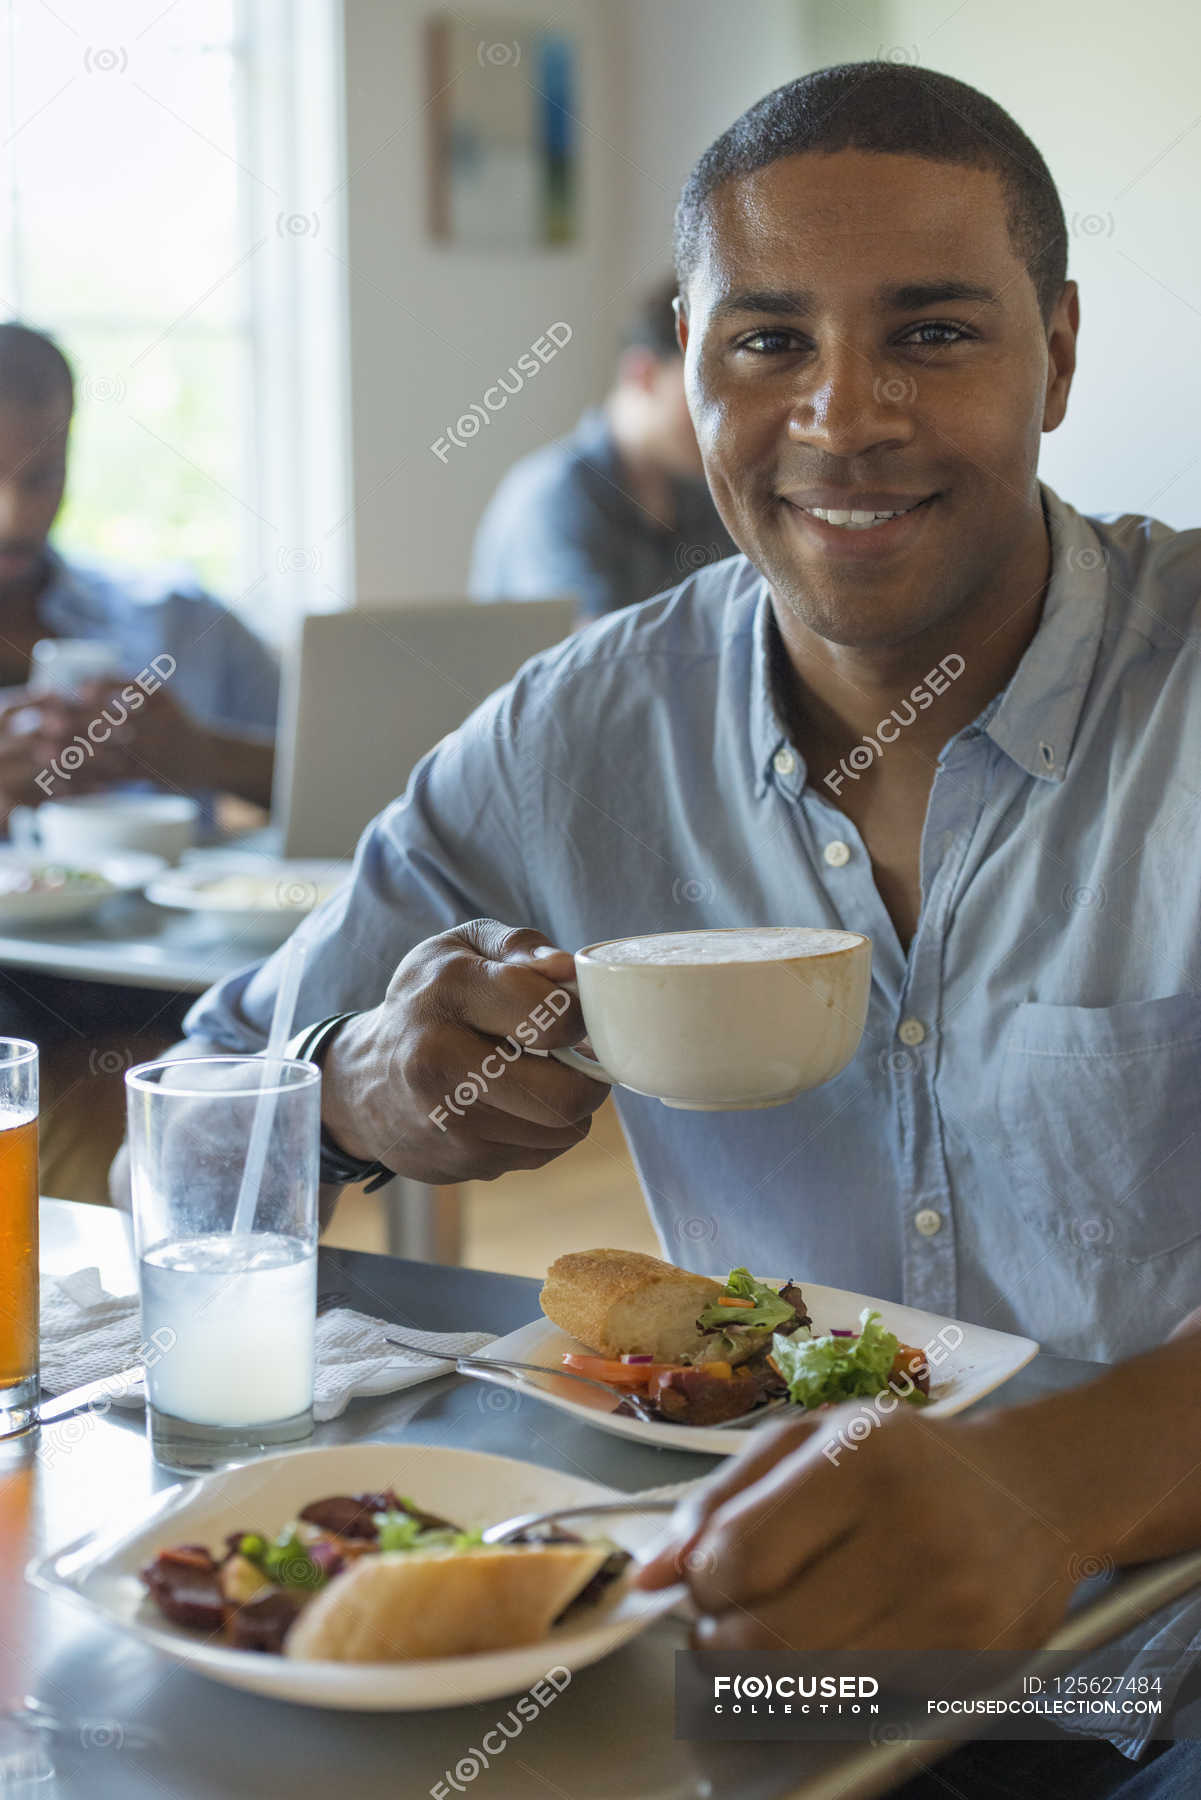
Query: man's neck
point(834, 696)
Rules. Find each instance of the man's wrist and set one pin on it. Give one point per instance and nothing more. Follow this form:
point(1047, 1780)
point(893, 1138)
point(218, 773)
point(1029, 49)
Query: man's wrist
point(342, 1162)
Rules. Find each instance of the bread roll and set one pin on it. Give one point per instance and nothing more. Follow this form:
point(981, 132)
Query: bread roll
point(404, 1605)
point(622, 1303)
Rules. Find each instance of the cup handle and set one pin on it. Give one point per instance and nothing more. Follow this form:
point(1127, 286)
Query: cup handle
point(23, 828)
point(586, 1065)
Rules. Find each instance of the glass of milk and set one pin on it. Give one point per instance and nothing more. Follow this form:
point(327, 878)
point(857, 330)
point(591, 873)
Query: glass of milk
point(227, 1314)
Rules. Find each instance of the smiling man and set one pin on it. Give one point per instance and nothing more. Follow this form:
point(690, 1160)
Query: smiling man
point(930, 703)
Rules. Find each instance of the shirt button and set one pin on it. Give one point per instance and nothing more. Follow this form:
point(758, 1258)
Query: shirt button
point(783, 762)
point(911, 1031)
point(837, 853)
point(928, 1221)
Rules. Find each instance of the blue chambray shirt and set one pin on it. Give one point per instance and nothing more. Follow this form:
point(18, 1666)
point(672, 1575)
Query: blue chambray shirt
point(225, 675)
point(1016, 1141)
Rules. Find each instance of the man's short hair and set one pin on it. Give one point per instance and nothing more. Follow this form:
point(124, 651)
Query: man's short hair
point(899, 110)
point(33, 370)
point(651, 325)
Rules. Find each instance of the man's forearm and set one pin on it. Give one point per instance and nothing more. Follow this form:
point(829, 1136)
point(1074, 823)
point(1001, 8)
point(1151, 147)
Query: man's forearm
point(1116, 1464)
point(234, 764)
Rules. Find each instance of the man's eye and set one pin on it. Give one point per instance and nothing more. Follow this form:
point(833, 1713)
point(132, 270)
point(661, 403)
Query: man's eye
point(770, 342)
point(943, 334)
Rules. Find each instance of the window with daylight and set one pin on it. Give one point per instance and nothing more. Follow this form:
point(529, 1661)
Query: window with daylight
point(173, 228)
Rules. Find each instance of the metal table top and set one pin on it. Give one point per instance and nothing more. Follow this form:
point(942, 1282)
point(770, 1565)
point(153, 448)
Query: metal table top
point(131, 1726)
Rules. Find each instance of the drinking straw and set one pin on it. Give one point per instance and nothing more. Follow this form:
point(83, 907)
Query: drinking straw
point(264, 1112)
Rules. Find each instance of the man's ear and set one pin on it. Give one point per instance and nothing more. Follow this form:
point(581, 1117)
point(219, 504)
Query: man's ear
point(680, 309)
point(1062, 332)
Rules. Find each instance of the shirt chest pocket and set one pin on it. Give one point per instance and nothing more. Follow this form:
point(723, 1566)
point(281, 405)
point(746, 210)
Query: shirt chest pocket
point(1100, 1111)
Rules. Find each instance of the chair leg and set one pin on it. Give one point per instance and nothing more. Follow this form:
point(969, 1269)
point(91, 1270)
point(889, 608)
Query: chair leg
point(423, 1223)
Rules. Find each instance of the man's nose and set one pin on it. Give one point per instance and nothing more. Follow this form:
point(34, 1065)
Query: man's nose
point(851, 404)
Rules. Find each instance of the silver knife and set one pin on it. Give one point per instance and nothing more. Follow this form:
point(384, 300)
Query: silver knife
point(127, 1382)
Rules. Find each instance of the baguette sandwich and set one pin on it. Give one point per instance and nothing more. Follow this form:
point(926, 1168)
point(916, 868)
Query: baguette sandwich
point(623, 1303)
point(403, 1606)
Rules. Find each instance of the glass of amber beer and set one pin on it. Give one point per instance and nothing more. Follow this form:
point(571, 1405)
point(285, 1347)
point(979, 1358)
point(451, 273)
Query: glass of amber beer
point(18, 1234)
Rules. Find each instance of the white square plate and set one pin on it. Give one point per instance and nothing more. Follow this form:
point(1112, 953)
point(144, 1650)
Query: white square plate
point(101, 1571)
point(976, 1361)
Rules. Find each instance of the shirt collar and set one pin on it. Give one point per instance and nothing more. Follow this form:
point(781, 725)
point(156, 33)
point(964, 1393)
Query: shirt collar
point(1034, 719)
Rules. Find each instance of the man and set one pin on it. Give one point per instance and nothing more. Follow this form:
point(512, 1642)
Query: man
point(208, 728)
point(618, 510)
point(878, 328)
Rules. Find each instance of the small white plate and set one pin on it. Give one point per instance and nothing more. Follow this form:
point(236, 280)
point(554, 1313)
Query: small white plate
point(101, 1571)
point(976, 1361)
point(121, 873)
point(256, 896)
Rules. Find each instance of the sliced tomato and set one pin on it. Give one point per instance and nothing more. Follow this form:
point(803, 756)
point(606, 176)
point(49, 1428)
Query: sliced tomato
point(617, 1374)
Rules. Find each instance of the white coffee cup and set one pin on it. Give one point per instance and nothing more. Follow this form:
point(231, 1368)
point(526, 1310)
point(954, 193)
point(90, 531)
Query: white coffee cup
point(95, 824)
point(725, 1019)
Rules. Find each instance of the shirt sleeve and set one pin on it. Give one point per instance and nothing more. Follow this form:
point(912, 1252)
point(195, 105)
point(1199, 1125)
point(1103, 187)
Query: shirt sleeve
point(455, 847)
point(546, 541)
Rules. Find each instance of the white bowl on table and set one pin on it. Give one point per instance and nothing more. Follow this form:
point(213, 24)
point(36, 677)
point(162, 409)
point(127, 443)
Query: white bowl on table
point(257, 897)
point(96, 824)
point(36, 889)
point(473, 1489)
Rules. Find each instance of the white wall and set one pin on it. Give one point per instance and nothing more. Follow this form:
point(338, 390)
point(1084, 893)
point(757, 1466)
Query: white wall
point(432, 326)
point(688, 68)
point(1109, 93)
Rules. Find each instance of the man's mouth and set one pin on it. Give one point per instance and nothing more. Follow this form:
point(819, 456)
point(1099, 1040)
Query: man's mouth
point(855, 518)
point(882, 521)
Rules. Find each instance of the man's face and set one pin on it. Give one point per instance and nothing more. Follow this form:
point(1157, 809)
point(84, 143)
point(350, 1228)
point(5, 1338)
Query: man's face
point(861, 335)
point(33, 469)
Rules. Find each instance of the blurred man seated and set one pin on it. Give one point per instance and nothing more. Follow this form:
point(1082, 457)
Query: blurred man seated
point(618, 510)
point(207, 730)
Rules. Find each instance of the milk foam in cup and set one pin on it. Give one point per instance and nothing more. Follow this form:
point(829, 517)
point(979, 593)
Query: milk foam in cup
point(723, 1019)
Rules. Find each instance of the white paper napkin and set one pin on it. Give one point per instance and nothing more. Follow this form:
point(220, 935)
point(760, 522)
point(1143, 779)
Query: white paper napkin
point(89, 1335)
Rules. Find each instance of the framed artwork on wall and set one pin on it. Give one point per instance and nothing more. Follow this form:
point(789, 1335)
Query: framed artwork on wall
point(503, 139)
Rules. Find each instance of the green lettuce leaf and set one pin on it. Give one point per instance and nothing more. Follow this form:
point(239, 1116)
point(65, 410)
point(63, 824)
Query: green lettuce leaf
point(400, 1531)
point(824, 1369)
point(769, 1311)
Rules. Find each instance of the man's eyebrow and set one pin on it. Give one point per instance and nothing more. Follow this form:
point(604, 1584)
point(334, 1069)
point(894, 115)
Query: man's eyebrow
point(801, 303)
point(913, 296)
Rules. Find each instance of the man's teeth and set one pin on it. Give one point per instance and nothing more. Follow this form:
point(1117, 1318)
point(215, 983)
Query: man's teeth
point(854, 520)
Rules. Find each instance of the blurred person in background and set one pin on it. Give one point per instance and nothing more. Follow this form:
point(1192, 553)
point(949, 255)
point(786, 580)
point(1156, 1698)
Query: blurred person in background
point(207, 730)
point(618, 510)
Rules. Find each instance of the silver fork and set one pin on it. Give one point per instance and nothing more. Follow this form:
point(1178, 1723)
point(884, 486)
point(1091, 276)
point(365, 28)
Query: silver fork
point(481, 1367)
point(511, 1528)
